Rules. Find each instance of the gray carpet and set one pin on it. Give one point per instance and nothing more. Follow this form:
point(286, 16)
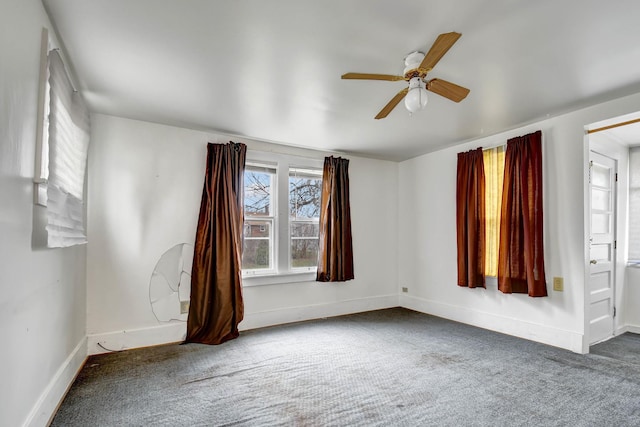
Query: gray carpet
point(389, 367)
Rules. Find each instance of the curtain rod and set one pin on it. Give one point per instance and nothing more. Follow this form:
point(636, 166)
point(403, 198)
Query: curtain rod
point(628, 122)
point(66, 70)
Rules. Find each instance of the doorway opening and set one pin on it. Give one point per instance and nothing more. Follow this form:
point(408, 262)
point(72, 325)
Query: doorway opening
point(607, 292)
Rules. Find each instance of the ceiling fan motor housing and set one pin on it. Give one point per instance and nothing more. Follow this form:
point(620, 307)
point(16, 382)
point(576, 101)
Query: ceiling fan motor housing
point(412, 61)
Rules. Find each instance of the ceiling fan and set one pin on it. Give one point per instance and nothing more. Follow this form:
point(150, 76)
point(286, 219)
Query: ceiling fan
point(417, 66)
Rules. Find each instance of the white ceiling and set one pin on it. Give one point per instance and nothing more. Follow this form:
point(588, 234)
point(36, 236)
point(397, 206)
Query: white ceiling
point(627, 135)
point(271, 70)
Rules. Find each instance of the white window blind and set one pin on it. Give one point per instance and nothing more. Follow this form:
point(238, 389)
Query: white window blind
point(68, 145)
point(634, 204)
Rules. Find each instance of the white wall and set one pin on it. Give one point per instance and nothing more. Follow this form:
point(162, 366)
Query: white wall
point(632, 300)
point(145, 184)
point(42, 292)
point(427, 250)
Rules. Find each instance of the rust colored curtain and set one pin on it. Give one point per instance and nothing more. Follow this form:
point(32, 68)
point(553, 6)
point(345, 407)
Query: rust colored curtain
point(470, 218)
point(335, 251)
point(521, 256)
point(216, 305)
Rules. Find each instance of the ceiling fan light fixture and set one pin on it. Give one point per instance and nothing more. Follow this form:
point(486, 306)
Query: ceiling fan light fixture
point(416, 98)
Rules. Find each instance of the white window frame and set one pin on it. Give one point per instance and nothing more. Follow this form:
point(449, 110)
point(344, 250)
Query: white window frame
point(62, 140)
point(311, 172)
point(272, 219)
point(42, 130)
point(282, 273)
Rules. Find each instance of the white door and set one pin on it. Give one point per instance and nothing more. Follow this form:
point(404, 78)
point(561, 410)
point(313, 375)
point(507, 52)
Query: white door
point(602, 188)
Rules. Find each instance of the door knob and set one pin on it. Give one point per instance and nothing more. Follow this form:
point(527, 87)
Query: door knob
point(594, 261)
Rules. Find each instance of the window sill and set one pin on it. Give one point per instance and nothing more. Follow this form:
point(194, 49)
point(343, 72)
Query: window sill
point(633, 264)
point(278, 278)
point(40, 193)
point(491, 282)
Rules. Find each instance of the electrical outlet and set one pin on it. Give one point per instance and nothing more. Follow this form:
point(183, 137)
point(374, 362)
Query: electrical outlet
point(184, 307)
point(558, 284)
point(405, 290)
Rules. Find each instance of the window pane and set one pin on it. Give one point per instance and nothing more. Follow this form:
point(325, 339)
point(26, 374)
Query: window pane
point(304, 252)
point(305, 187)
point(600, 176)
point(600, 199)
point(258, 186)
point(257, 229)
point(256, 254)
point(304, 229)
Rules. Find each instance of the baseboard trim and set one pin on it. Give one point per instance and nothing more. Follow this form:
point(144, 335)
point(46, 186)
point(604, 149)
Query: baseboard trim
point(317, 311)
point(136, 338)
point(176, 331)
point(621, 330)
point(507, 325)
point(633, 329)
point(45, 408)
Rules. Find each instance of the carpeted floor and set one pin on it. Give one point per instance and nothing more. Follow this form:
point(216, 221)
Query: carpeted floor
point(385, 368)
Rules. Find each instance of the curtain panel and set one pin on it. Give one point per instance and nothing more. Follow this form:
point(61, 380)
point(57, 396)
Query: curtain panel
point(335, 251)
point(216, 306)
point(521, 254)
point(470, 218)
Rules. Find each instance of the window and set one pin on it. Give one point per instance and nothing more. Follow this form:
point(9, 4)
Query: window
point(259, 218)
point(493, 159)
point(281, 210)
point(305, 188)
point(61, 154)
point(492, 218)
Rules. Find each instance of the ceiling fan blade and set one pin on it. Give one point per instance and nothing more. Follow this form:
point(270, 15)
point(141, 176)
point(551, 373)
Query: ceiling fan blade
point(447, 89)
point(366, 76)
point(442, 44)
point(392, 104)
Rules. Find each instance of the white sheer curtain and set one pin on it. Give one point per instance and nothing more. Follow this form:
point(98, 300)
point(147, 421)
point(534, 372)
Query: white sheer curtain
point(634, 204)
point(68, 146)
